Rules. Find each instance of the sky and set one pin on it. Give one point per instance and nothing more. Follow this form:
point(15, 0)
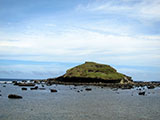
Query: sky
point(43, 38)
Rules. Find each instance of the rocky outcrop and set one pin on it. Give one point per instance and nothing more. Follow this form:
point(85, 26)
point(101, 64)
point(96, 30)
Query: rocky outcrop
point(91, 72)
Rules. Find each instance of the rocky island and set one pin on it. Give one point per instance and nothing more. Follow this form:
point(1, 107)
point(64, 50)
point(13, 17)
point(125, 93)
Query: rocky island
point(92, 73)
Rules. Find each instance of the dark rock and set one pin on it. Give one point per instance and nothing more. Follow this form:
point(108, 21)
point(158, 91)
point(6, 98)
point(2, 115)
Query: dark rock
point(14, 81)
point(150, 87)
point(24, 88)
point(35, 88)
point(13, 96)
point(53, 90)
point(26, 84)
point(37, 81)
point(0, 95)
point(88, 89)
point(42, 85)
point(4, 86)
point(141, 93)
point(24, 81)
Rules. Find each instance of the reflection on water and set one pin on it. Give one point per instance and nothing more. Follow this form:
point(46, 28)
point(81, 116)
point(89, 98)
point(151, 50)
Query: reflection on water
point(75, 103)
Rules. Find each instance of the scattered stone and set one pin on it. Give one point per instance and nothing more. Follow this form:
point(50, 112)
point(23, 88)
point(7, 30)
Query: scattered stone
point(53, 90)
point(24, 81)
point(14, 96)
point(24, 88)
point(42, 85)
point(0, 95)
point(26, 84)
point(4, 86)
point(14, 81)
point(150, 87)
point(88, 89)
point(141, 93)
point(35, 88)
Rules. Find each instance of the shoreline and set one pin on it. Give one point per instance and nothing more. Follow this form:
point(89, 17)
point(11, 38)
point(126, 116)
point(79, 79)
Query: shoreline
point(49, 82)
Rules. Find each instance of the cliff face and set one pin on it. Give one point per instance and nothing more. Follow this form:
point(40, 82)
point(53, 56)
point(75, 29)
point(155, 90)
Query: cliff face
point(94, 72)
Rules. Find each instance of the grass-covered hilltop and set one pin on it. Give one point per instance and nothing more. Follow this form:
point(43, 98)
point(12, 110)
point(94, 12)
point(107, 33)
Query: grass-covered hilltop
point(93, 72)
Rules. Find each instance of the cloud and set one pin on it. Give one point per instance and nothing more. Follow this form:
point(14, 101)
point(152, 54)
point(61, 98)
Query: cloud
point(144, 9)
point(77, 44)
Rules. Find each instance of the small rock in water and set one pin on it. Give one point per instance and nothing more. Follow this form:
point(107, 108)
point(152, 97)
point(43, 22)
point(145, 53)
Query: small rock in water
point(24, 88)
point(150, 87)
point(4, 86)
point(14, 96)
point(141, 93)
point(88, 89)
point(53, 90)
point(0, 95)
point(35, 88)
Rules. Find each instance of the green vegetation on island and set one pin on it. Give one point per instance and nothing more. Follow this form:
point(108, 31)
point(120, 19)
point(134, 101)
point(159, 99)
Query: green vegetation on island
point(94, 72)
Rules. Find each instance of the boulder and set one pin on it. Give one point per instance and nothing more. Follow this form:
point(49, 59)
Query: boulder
point(150, 87)
point(14, 96)
point(35, 88)
point(141, 93)
point(88, 89)
point(53, 90)
point(24, 88)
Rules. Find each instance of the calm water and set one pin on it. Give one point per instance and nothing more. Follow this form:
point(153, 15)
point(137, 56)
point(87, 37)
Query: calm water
point(68, 104)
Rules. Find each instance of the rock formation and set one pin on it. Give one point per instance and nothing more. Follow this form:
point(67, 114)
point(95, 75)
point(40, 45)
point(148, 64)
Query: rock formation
point(94, 72)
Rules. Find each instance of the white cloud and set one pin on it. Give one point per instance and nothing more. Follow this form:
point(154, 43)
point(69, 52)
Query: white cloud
point(143, 9)
point(80, 45)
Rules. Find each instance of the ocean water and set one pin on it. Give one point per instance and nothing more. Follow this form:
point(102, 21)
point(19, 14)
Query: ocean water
point(68, 104)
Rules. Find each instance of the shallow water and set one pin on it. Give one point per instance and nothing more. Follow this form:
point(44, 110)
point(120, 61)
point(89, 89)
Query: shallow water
point(68, 104)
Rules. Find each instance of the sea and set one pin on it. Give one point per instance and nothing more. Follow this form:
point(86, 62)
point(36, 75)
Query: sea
point(75, 103)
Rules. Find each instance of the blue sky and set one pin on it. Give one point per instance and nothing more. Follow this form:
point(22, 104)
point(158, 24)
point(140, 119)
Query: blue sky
point(43, 38)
